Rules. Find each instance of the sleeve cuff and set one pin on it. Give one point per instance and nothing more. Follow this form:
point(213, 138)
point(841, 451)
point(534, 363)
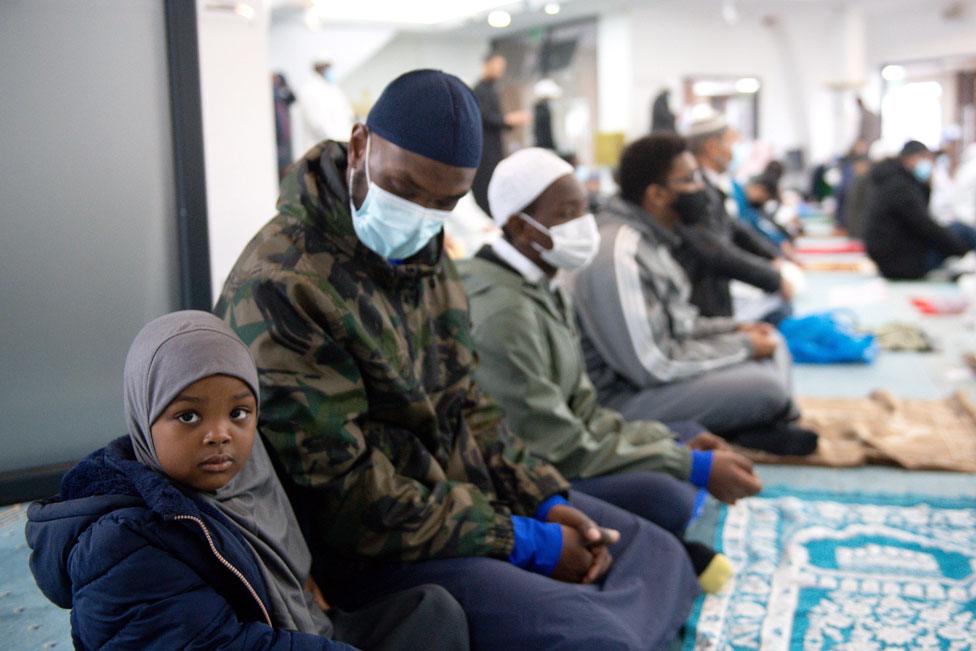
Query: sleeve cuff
point(701, 468)
point(542, 512)
point(538, 545)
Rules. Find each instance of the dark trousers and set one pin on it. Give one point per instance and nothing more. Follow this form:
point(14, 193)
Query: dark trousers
point(641, 603)
point(425, 617)
point(964, 232)
point(654, 496)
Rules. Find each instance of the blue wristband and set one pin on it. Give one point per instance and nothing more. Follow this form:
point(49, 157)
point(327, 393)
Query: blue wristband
point(538, 545)
point(701, 467)
point(697, 507)
point(542, 512)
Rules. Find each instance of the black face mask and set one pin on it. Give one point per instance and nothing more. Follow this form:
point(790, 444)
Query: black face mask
point(692, 207)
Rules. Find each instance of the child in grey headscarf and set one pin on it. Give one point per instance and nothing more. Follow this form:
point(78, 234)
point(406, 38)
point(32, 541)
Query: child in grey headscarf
point(191, 396)
point(229, 555)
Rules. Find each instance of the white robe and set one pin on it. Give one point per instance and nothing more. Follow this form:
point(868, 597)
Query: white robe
point(324, 114)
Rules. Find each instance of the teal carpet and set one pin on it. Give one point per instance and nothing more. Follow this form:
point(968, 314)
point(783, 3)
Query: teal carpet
point(27, 619)
point(858, 558)
point(820, 570)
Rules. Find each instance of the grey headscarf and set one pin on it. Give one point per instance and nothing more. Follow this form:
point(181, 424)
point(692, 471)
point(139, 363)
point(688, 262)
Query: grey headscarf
point(171, 353)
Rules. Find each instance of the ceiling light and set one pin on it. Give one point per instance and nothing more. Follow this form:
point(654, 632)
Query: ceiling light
point(893, 73)
point(499, 19)
point(747, 85)
point(312, 19)
point(552, 8)
point(427, 13)
point(244, 10)
point(730, 13)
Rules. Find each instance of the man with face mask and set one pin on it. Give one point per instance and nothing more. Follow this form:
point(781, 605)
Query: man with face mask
point(525, 331)
point(401, 470)
point(901, 236)
point(648, 350)
point(716, 247)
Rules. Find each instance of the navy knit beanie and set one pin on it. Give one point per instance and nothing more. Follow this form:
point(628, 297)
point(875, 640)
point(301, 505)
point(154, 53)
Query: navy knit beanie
point(430, 113)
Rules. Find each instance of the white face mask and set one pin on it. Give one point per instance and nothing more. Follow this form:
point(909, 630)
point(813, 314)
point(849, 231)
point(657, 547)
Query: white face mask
point(574, 244)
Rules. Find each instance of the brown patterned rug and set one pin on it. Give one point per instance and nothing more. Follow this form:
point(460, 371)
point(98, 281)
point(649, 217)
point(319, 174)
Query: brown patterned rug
point(881, 429)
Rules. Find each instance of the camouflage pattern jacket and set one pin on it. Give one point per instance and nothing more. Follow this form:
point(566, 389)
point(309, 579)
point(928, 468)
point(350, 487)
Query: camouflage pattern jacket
point(367, 396)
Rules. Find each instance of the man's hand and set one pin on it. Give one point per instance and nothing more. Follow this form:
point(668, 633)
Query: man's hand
point(575, 560)
point(732, 477)
point(789, 253)
point(579, 563)
point(787, 289)
point(312, 587)
point(708, 441)
point(757, 326)
point(763, 343)
point(589, 532)
point(579, 531)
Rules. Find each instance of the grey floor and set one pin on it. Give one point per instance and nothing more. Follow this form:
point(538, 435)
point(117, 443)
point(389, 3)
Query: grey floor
point(910, 375)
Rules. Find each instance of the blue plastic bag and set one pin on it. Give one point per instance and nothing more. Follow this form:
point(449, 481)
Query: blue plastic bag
point(828, 338)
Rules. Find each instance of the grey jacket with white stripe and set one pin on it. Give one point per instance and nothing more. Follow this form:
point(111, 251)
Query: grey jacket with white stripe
point(639, 328)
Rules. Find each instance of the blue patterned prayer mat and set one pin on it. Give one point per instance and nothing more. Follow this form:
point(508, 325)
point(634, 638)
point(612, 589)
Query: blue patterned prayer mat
point(817, 570)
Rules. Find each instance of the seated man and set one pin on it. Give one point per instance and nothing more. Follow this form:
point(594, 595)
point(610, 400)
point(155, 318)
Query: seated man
point(714, 246)
point(402, 471)
point(528, 346)
point(901, 236)
point(649, 352)
point(752, 199)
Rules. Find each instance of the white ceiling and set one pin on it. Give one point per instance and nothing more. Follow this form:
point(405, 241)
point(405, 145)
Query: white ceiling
point(469, 16)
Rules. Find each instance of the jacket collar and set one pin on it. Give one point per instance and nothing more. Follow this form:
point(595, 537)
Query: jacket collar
point(113, 470)
point(315, 191)
point(720, 182)
point(514, 259)
point(487, 271)
point(633, 215)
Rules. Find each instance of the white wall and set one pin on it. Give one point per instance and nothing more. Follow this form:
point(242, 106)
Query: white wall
point(294, 47)
point(803, 56)
point(238, 131)
point(906, 33)
point(790, 57)
point(407, 51)
point(615, 71)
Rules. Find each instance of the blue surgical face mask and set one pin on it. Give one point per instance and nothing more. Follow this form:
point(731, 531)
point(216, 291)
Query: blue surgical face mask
point(392, 226)
point(923, 170)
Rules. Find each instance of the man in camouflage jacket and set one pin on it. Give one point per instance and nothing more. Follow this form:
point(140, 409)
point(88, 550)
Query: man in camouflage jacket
point(366, 381)
point(393, 457)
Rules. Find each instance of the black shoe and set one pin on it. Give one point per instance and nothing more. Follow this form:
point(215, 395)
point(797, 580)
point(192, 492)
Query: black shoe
point(701, 555)
point(713, 569)
point(780, 438)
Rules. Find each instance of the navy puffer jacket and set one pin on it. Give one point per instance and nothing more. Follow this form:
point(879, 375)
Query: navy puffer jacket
point(143, 565)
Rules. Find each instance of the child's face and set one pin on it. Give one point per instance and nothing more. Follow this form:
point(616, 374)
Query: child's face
point(204, 437)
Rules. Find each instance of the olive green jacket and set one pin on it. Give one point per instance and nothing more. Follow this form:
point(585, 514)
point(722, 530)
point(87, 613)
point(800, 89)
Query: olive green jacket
point(532, 364)
point(368, 401)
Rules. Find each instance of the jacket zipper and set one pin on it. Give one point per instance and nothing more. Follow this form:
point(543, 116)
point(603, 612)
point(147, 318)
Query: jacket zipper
point(223, 561)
